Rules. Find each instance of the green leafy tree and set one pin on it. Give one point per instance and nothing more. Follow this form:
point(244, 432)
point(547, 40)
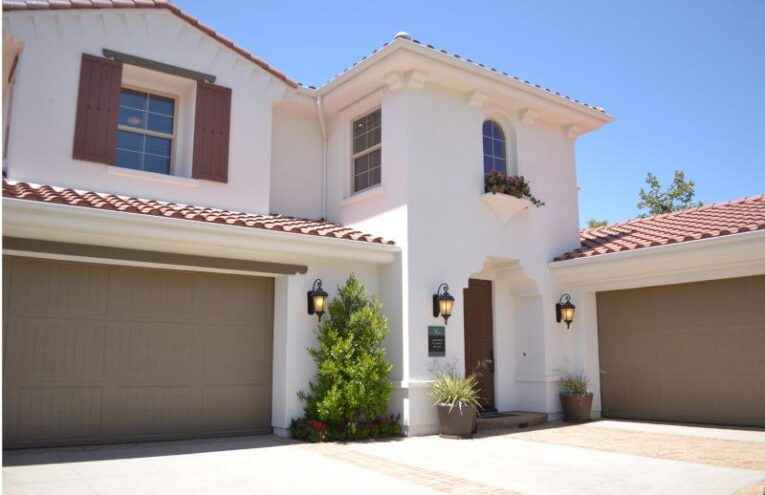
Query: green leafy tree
point(678, 196)
point(592, 223)
point(352, 385)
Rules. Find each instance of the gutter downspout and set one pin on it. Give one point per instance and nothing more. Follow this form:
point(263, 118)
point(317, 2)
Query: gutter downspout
point(323, 127)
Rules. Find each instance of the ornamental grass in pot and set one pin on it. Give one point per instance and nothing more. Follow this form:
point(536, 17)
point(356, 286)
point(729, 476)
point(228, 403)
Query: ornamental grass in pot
point(575, 398)
point(457, 401)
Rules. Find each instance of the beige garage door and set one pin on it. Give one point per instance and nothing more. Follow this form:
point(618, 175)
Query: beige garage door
point(691, 352)
point(97, 353)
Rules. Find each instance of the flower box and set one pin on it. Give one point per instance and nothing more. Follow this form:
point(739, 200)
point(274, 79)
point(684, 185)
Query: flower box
point(504, 205)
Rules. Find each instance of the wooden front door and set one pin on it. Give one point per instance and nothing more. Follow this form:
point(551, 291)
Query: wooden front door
point(479, 337)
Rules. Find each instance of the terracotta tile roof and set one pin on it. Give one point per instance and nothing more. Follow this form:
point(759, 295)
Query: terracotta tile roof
point(13, 5)
point(88, 199)
point(717, 220)
point(469, 61)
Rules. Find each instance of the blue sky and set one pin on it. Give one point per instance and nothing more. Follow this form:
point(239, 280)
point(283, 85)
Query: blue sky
point(684, 79)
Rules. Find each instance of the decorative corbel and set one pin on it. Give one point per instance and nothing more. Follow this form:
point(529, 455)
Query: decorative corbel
point(395, 81)
point(528, 116)
point(572, 131)
point(476, 99)
point(416, 79)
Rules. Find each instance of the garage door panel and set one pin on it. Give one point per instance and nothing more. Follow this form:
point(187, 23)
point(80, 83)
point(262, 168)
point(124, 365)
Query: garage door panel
point(684, 345)
point(232, 300)
point(743, 346)
point(35, 414)
point(642, 349)
point(153, 349)
point(743, 396)
point(155, 295)
point(138, 365)
point(625, 393)
point(245, 406)
point(690, 397)
point(236, 350)
point(49, 288)
point(155, 410)
point(704, 343)
point(49, 348)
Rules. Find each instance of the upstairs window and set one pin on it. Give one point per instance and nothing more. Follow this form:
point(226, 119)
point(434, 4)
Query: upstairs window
point(367, 151)
point(494, 148)
point(145, 134)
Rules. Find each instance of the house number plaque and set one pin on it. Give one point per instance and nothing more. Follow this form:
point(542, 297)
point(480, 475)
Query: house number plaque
point(436, 342)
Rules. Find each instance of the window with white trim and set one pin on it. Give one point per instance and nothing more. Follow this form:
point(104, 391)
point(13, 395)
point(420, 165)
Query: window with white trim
point(367, 151)
point(146, 130)
point(494, 148)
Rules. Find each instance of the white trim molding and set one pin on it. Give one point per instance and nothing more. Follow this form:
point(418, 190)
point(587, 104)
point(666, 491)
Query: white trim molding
point(736, 255)
point(65, 223)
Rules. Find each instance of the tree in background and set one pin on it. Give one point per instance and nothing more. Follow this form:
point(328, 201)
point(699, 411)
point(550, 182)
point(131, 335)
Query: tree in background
point(593, 223)
point(678, 196)
point(352, 387)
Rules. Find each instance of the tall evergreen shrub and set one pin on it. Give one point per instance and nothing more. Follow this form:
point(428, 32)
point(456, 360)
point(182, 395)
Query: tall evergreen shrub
point(352, 387)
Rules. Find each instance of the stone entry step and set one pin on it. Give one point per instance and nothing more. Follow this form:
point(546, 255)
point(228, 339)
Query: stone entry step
point(509, 420)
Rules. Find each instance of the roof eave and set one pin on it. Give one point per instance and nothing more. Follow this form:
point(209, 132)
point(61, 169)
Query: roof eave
point(462, 64)
point(742, 249)
point(67, 223)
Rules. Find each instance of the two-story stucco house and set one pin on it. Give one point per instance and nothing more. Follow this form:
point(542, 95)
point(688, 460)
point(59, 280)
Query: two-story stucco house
point(169, 199)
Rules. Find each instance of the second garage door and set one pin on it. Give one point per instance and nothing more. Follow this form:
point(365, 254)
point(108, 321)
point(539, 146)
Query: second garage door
point(691, 352)
point(97, 353)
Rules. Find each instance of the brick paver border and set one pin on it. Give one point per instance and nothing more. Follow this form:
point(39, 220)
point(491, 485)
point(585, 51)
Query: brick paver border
point(434, 480)
point(711, 451)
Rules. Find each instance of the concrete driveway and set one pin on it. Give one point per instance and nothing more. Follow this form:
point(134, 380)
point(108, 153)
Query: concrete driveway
point(605, 457)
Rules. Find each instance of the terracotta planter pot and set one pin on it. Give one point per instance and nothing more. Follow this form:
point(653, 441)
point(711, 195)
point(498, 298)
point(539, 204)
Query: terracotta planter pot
point(460, 422)
point(576, 407)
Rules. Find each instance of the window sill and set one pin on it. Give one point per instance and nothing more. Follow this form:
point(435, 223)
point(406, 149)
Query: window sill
point(153, 177)
point(359, 197)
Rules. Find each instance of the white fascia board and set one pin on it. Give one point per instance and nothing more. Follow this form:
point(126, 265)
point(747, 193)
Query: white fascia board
point(736, 255)
point(66, 223)
point(464, 65)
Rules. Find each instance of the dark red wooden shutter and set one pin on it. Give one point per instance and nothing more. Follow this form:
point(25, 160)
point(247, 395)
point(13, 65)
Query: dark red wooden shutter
point(95, 130)
point(211, 132)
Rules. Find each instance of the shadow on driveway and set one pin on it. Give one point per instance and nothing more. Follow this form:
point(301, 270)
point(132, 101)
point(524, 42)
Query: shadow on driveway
point(26, 457)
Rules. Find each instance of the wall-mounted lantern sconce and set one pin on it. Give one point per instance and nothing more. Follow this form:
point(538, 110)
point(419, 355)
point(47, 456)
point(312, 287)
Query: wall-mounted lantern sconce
point(443, 303)
point(317, 299)
point(564, 310)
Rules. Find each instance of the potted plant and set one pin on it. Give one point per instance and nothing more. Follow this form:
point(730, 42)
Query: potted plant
point(512, 185)
point(575, 398)
point(457, 401)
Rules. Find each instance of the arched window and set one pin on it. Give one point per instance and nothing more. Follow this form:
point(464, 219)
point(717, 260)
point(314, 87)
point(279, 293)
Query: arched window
point(494, 148)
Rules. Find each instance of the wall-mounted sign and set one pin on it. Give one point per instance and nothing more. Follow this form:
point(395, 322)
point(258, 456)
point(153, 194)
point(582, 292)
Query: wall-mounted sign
point(436, 341)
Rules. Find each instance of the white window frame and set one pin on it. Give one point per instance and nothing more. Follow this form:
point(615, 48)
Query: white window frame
point(364, 152)
point(147, 132)
point(505, 144)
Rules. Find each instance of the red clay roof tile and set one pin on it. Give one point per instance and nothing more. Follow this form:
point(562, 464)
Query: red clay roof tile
point(89, 199)
point(717, 220)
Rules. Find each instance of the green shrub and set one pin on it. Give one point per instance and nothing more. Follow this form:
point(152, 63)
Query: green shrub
point(352, 388)
point(316, 431)
point(574, 383)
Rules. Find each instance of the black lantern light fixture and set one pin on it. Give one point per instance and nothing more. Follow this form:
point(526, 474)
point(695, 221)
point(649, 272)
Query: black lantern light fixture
point(443, 303)
point(564, 310)
point(317, 299)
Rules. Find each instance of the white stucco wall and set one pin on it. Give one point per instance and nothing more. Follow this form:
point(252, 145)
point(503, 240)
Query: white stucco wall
point(429, 202)
point(296, 177)
point(45, 100)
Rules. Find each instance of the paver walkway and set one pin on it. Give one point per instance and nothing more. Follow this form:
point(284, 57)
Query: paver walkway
point(605, 457)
